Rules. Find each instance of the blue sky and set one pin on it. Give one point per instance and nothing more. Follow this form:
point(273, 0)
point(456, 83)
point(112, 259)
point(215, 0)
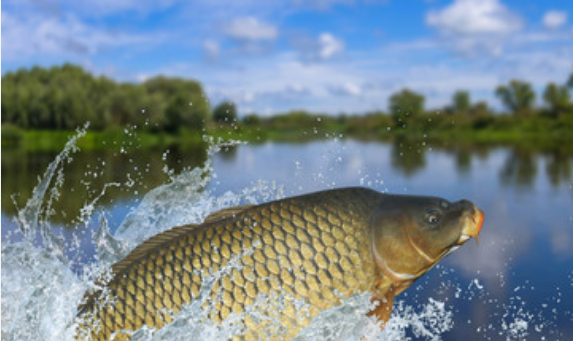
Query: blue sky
point(322, 55)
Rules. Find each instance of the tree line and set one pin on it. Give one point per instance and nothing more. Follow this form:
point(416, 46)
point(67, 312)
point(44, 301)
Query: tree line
point(65, 97)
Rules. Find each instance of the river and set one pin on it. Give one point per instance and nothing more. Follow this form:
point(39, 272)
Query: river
point(516, 284)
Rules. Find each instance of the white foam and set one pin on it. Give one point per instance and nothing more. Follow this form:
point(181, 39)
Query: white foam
point(40, 292)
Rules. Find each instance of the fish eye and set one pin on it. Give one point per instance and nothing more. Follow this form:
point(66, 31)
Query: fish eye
point(432, 217)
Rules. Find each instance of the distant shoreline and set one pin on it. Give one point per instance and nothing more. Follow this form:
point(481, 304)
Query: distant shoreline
point(41, 107)
point(54, 140)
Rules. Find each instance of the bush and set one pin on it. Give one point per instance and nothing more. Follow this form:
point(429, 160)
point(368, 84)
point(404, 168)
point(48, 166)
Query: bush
point(11, 135)
point(252, 120)
point(371, 123)
point(225, 112)
point(483, 121)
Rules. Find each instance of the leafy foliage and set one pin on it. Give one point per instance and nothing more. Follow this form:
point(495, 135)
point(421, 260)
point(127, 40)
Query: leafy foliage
point(405, 105)
point(518, 96)
point(297, 119)
point(65, 97)
point(252, 120)
point(11, 135)
point(38, 100)
point(461, 101)
point(225, 112)
point(557, 97)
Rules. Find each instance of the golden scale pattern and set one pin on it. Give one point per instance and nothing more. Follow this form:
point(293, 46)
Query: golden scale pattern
point(315, 248)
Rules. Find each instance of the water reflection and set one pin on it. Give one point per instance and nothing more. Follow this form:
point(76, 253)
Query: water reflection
point(89, 171)
point(229, 153)
point(525, 243)
point(408, 156)
point(463, 161)
point(520, 168)
point(558, 166)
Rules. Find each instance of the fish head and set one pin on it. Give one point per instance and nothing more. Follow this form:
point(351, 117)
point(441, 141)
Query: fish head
point(410, 234)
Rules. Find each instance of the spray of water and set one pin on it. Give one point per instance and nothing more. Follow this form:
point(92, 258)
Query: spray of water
point(41, 292)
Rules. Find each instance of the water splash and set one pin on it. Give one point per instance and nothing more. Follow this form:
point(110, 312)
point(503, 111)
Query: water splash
point(34, 217)
point(41, 292)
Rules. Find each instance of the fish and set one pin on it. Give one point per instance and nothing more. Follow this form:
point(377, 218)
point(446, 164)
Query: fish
point(317, 248)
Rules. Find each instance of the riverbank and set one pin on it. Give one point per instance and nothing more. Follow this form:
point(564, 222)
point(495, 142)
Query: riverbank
point(53, 141)
point(534, 132)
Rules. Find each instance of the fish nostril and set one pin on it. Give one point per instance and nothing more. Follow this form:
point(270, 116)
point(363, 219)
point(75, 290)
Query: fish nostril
point(466, 205)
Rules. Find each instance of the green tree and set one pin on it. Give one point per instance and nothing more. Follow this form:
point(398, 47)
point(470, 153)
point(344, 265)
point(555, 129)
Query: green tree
point(125, 104)
point(557, 98)
point(461, 102)
point(404, 105)
point(21, 108)
point(225, 112)
point(199, 110)
point(518, 96)
point(252, 120)
point(570, 81)
point(175, 112)
point(64, 97)
point(178, 97)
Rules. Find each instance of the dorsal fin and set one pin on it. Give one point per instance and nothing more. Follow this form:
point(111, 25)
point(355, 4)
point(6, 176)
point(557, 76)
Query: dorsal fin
point(151, 244)
point(226, 213)
point(135, 255)
point(159, 239)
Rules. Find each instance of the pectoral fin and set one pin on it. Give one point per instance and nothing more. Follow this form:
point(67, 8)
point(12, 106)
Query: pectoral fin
point(384, 304)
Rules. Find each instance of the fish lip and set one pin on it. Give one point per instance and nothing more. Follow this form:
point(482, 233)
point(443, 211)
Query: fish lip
point(472, 227)
point(463, 238)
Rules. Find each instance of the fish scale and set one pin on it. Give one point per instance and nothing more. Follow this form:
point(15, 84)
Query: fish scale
point(315, 248)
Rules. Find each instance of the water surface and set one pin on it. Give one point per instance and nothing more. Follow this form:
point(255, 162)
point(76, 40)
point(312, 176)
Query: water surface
point(517, 284)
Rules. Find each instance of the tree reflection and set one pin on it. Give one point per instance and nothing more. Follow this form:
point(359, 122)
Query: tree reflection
point(463, 161)
point(178, 157)
point(408, 156)
point(89, 171)
point(519, 169)
point(229, 153)
point(558, 167)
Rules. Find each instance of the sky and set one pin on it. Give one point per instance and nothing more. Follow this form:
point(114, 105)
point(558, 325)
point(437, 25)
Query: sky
point(329, 56)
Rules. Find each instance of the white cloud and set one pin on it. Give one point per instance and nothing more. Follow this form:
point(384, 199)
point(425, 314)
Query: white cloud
point(475, 17)
point(364, 80)
point(324, 47)
point(36, 35)
point(266, 77)
point(554, 19)
point(329, 46)
point(475, 25)
point(212, 49)
point(346, 89)
point(250, 29)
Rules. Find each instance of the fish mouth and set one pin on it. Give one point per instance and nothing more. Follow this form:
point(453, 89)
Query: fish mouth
point(472, 227)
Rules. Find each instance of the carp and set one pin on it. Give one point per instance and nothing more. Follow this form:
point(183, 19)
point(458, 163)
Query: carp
point(317, 248)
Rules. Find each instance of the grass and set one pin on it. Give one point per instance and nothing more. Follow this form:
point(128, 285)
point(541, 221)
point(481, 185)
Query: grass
point(536, 133)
